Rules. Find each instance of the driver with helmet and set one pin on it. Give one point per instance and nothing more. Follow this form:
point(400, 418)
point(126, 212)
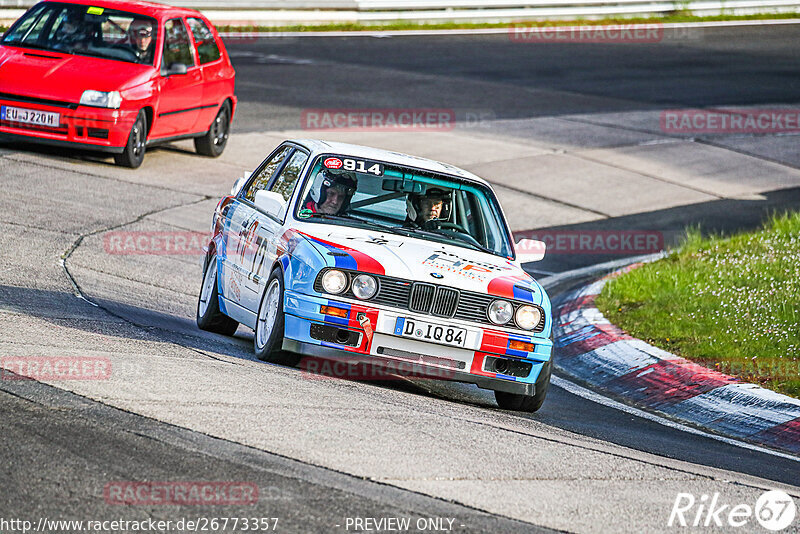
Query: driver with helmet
point(331, 192)
point(422, 208)
point(140, 33)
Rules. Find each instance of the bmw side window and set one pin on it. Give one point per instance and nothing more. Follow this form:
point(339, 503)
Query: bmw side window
point(264, 176)
point(207, 49)
point(287, 180)
point(176, 44)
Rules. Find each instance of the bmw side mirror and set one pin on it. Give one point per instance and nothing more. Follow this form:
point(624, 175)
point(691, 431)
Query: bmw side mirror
point(530, 250)
point(237, 187)
point(271, 203)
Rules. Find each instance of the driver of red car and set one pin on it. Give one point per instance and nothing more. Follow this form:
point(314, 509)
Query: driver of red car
point(140, 33)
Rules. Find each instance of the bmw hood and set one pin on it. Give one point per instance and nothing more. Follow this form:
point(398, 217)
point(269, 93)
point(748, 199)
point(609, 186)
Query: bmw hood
point(59, 76)
point(415, 259)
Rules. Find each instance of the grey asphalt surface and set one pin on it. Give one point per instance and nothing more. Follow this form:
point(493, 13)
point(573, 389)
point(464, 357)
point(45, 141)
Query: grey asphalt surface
point(74, 448)
point(507, 79)
point(336, 449)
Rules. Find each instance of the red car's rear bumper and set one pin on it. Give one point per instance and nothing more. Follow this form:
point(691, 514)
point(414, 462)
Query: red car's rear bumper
point(80, 126)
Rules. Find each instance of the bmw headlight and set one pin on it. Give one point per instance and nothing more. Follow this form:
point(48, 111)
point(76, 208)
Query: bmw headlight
point(101, 99)
point(500, 311)
point(364, 286)
point(334, 281)
point(527, 317)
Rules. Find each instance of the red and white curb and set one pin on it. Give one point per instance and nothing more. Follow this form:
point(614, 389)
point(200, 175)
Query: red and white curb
point(594, 351)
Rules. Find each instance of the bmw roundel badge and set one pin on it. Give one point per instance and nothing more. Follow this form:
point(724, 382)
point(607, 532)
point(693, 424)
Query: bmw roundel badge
point(438, 276)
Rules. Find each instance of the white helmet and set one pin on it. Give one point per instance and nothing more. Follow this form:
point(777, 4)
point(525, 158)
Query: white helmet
point(326, 179)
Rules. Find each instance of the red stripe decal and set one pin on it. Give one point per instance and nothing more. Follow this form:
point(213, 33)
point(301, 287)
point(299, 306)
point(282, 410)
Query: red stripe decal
point(355, 324)
point(365, 264)
point(504, 286)
point(496, 342)
point(477, 365)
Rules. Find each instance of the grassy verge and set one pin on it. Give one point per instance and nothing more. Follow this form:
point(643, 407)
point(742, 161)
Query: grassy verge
point(407, 25)
point(730, 304)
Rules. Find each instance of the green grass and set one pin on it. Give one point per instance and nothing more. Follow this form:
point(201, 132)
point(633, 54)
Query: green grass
point(408, 25)
point(730, 304)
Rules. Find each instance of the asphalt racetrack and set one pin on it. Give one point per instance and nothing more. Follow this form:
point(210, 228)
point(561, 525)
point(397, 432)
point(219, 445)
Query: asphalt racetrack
point(570, 134)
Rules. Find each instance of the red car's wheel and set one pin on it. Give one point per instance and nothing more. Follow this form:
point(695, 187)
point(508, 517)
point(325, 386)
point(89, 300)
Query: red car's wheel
point(213, 142)
point(133, 154)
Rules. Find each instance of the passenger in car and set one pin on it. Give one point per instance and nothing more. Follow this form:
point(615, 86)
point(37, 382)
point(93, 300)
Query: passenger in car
point(331, 192)
point(71, 34)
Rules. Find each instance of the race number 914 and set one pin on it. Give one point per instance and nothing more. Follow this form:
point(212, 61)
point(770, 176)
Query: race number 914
point(359, 165)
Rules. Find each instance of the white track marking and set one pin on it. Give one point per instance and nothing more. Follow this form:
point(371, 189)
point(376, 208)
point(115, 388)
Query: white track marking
point(580, 391)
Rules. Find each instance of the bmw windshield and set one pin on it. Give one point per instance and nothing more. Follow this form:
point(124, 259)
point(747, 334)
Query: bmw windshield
point(86, 30)
point(355, 192)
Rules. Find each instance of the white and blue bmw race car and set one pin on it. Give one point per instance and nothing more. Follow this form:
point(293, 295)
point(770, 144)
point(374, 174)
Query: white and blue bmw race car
point(340, 251)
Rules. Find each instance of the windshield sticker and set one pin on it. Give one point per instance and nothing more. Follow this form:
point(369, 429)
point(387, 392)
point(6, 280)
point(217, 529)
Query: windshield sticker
point(305, 214)
point(363, 166)
point(333, 163)
point(95, 10)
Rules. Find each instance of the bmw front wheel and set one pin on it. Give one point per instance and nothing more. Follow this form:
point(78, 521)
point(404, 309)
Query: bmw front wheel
point(268, 337)
point(527, 403)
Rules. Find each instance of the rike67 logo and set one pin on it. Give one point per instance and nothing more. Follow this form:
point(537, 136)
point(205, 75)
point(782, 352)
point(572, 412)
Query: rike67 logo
point(774, 510)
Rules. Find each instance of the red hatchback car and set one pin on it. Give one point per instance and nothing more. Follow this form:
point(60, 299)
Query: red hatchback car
point(115, 77)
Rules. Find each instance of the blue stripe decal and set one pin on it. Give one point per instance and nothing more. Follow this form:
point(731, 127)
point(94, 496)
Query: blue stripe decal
point(506, 377)
point(346, 262)
point(398, 329)
point(338, 320)
point(524, 295)
point(517, 353)
point(341, 262)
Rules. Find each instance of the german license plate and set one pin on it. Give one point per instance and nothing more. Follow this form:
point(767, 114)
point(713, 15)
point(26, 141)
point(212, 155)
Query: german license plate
point(431, 332)
point(30, 116)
